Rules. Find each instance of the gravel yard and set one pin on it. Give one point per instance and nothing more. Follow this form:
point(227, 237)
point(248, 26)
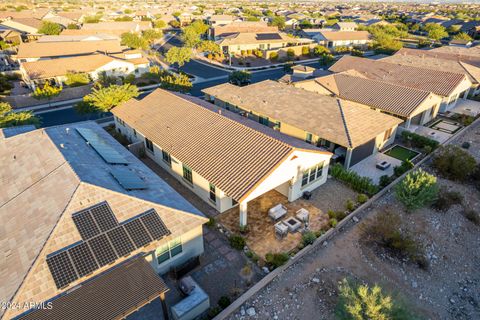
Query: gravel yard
point(448, 289)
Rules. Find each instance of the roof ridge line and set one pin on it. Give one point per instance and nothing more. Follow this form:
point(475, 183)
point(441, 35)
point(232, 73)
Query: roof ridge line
point(344, 121)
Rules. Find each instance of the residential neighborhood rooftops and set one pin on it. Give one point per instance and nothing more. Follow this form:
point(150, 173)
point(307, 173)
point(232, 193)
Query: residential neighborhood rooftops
point(399, 100)
point(222, 147)
point(58, 49)
point(438, 82)
point(261, 37)
point(333, 35)
point(343, 122)
point(47, 175)
point(74, 38)
point(243, 27)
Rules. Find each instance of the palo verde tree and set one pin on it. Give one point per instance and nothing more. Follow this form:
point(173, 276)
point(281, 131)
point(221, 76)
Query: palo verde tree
point(134, 41)
point(47, 92)
point(105, 98)
point(178, 55)
point(9, 118)
point(50, 28)
point(436, 31)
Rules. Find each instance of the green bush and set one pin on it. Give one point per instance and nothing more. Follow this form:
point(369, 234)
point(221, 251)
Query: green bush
point(362, 198)
point(340, 215)
point(333, 222)
point(305, 51)
point(404, 167)
point(331, 214)
point(385, 180)
point(446, 199)
point(273, 56)
point(454, 163)
point(224, 302)
point(417, 190)
point(353, 180)
point(419, 141)
point(211, 222)
point(350, 205)
point(473, 216)
point(237, 242)
point(290, 53)
point(308, 238)
point(276, 260)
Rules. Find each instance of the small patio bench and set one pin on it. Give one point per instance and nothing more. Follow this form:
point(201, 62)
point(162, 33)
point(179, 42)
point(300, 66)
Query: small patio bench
point(277, 212)
point(302, 214)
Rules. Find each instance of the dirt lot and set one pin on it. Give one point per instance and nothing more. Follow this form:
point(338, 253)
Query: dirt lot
point(449, 289)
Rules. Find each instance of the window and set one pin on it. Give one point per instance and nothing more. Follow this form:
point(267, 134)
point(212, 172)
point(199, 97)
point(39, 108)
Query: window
point(213, 196)
point(163, 254)
point(234, 203)
point(312, 174)
point(387, 135)
point(187, 174)
point(166, 157)
point(263, 120)
point(175, 247)
point(169, 250)
point(309, 138)
point(149, 145)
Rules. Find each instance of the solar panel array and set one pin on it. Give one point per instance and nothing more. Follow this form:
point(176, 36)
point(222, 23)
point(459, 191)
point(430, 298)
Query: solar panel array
point(268, 36)
point(104, 241)
point(107, 152)
point(128, 179)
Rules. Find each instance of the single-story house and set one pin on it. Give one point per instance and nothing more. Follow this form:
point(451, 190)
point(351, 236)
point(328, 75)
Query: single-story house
point(32, 51)
point(226, 159)
point(468, 64)
point(116, 27)
point(77, 207)
point(266, 42)
point(448, 85)
point(221, 31)
point(345, 26)
point(220, 20)
point(56, 70)
point(414, 106)
point(336, 38)
point(350, 130)
point(11, 36)
point(27, 26)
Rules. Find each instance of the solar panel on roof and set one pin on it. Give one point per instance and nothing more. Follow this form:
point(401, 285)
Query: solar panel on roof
point(102, 249)
point(120, 241)
point(154, 225)
point(107, 152)
point(268, 36)
point(61, 268)
point(138, 233)
point(85, 224)
point(129, 180)
point(104, 217)
point(83, 259)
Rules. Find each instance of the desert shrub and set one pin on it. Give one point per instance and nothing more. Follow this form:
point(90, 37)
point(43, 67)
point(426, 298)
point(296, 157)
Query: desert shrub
point(290, 53)
point(243, 52)
point(385, 180)
point(333, 222)
point(305, 51)
point(273, 56)
point(454, 163)
point(249, 52)
point(319, 233)
point(237, 241)
point(213, 312)
point(340, 215)
point(275, 260)
point(357, 53)
point(386, 231)
point(258, 53)
point(224, 302)
point(362, 198)
point(473, 216)
point(350, 205)
point(404, 167)
point(419, 141)
point(353, 180)
point(331, 214)
point(359, 301)
point(417, 189)
point(446, 199)
point(308, 238)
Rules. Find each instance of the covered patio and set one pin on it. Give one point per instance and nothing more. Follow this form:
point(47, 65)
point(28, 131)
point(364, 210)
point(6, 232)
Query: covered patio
point(467, 107)
point(260, 234)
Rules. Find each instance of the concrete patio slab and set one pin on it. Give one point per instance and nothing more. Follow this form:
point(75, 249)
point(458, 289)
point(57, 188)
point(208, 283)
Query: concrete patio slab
point(367, 167)
point(467, 107)
point(437, 135)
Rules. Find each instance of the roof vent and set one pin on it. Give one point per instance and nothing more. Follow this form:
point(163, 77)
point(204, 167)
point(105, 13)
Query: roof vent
point(219, 111)
point(67, 130)
point(62, 146)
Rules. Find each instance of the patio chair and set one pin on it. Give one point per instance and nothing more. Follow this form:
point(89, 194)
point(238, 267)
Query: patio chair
point(277, 212)
point(281, 230)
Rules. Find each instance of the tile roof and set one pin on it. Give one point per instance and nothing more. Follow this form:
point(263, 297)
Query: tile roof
point(342, 122)
point(344, 35)
point(243, 27)
point(75, 38)
point(31, 22)
point(47, 175)
point(439, 82)
point(98, 297)
point(125, 26)
point(57, 49)
point(253, 38)
point(42, 69)
point(230, 154)
point(399, 100)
